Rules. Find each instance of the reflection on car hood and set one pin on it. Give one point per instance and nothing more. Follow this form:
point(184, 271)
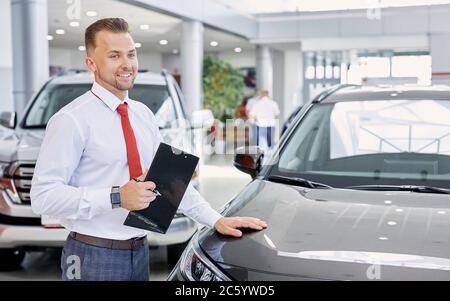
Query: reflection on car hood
point(336, 234)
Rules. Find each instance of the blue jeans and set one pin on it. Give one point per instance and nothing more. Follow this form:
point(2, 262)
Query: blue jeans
point(265, 134)
point(83, 262)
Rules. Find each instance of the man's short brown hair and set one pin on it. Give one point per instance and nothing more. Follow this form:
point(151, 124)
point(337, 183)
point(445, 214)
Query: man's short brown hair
point(117, 25)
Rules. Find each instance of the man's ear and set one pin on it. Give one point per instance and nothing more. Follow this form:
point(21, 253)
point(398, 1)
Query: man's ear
point(91, 64)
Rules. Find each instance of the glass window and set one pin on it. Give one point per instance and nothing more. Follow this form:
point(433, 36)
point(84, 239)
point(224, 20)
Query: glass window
point(320, 72)
point(375, 66)
point(413, 66)
point(372, 142)
point(54, 97)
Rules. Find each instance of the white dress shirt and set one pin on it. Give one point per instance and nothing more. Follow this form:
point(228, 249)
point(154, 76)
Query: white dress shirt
point(83, 155)
point(265, 111)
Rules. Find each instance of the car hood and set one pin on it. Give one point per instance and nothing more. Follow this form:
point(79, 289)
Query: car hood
point(21, 145)
point(335, 234)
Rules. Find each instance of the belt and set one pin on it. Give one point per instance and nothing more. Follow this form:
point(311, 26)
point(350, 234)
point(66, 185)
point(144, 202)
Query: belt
point(130, 244)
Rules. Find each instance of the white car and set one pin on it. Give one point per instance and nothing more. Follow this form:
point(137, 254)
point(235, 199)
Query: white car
point(22, 230)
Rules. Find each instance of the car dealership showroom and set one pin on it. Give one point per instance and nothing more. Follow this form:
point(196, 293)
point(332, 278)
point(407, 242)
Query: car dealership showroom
point(224, 140)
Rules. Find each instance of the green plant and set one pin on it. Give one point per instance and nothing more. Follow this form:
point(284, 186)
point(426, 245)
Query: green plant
point(223, 87)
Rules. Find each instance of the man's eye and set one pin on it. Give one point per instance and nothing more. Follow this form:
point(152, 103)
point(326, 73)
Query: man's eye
point(132, 55)
point(114, 56)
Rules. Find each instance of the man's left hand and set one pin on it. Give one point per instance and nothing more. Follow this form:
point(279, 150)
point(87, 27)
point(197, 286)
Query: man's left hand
point(230, 225)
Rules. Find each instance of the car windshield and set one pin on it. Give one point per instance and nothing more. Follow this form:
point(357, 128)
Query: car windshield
point(54, 97)
point(385, 142)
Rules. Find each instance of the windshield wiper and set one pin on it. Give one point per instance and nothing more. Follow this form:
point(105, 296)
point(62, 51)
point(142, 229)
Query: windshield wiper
point(297, 182)
point(412, 188)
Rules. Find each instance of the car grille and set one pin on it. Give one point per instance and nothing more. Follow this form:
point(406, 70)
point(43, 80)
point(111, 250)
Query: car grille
point(19, 221)
point(21, 175)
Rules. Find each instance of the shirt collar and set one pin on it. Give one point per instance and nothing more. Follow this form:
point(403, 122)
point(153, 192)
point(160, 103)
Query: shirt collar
point(107, 97)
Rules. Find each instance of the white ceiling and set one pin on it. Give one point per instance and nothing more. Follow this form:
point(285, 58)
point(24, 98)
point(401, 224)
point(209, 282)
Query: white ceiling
point(61, 13)
point(279, 6)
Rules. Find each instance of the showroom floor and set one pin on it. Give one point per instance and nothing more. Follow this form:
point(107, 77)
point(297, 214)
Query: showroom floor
point(219, 170)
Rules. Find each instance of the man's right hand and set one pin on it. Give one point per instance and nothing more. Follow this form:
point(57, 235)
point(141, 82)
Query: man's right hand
point(135, 195)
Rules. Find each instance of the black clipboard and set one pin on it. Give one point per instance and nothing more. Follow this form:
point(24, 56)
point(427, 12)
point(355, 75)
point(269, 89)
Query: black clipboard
point(171, 170)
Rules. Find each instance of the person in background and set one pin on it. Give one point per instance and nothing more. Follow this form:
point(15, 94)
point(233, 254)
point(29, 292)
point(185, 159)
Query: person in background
point(241, 112)
point(251, 101)
point(264, 113)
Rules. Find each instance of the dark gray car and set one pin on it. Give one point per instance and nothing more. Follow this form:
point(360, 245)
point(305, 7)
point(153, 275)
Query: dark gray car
point(357, 190)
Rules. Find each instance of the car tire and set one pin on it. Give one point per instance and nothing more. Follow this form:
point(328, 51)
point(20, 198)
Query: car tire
point(11, 259)
point(174, 253)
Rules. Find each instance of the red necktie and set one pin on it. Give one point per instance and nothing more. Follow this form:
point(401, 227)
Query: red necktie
point(134, 162)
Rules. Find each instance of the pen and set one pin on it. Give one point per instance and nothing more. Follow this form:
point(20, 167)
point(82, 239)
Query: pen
point(155, 191)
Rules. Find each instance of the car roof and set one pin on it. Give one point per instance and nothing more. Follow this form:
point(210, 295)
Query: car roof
point(405, 92)
point(150, 78)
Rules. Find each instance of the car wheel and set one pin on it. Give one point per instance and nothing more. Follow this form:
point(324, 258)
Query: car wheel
point(174, 253)
point(11, 259)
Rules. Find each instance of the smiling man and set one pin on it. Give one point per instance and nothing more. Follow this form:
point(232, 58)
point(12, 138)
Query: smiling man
point(92, 150)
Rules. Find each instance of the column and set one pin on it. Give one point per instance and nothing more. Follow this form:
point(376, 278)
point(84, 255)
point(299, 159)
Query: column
point(264, 69)
point(6, 100)
point(440, 58)
point(192, 64)
point(293, 83)
point(30, 49)
point(288, 79)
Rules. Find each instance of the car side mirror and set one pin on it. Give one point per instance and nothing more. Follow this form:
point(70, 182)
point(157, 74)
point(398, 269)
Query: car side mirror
point(202, 118)
point(8, 119)
point(248, 160)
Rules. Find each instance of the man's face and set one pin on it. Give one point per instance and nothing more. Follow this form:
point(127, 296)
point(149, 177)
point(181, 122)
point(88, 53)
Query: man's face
point(113, 61)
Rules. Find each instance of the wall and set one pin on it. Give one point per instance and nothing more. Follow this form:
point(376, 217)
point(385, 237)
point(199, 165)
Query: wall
point(172, 63)
point(74, 59)
point(67, 58)
point(152, 61)
point(244, 59)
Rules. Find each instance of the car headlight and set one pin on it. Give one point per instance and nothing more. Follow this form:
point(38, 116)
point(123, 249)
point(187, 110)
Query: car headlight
point(196, 267)
point(4, 169)
point(5, 178)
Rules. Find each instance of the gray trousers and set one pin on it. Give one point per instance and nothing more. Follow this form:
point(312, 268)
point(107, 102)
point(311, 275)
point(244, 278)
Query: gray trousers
point(83, 262)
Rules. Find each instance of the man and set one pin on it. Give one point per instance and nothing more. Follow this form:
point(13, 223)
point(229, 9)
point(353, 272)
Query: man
point(252, 101)
point(248, 108)
point(93, 148)
point(265, 112)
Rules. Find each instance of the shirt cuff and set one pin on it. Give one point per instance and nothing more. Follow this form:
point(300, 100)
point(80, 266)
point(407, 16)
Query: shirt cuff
point(211, 217)
point(95, 202)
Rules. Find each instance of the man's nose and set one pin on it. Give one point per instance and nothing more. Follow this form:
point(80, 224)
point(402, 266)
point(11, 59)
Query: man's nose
point(126, 63)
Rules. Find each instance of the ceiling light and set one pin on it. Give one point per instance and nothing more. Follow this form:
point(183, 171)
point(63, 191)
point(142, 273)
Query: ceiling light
point(175, 51)
point(144, 27)
point(91, 13)
point(60, 31)
point(214, 43)
point(383, 238)
point(392, 223)
point(399, 210)
point(163, 42)
point(441, 212)
point(74, 24)
point(137, 45)
point(238, 49)
point(388, 202)
point(49, 37)
point(81, 48)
